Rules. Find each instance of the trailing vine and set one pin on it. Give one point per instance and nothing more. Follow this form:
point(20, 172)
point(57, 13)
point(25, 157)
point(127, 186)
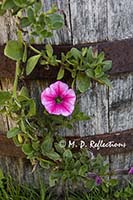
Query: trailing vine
point(37, 132)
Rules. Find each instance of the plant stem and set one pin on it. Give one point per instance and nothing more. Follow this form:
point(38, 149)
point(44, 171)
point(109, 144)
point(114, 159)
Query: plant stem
point(17, 73)
point(35, 50)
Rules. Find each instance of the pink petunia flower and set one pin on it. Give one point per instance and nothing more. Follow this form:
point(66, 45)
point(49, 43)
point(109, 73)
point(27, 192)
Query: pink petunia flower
point(98, 180)
point(130, 171)
point(58, 99)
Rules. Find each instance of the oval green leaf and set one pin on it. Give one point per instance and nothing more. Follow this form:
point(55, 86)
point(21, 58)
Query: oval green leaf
point(13, 132)
point(13, 50)
point(32, 61)
point(83, 82)
point(60, 73)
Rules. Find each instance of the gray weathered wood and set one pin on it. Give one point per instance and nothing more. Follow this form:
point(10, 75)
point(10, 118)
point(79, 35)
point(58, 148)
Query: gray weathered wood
point(89, 20)
point(121, 103)
point(120, 19)
point(95, 104)
point(121, 114)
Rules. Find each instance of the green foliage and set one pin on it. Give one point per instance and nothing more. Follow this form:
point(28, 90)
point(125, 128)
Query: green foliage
point(31, 63)
point(84, 66)
point(13, 132)
point(13, 50)
point(4, 97)
point(83, 82)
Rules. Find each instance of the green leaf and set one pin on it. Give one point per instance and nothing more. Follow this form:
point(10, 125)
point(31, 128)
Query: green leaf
point(47, 145)
point(13, 132)
point(32, 62)
point(101, 57)
point(24, 22)
point(75, 53)
point(105, 188)
point(20, 3)
point(53, 155)
point(84, 51)
point(99, 72)
point(45, 164)
point(83, 169)
point(30, 14)
point(2, 12)
point(83, 82)
point(90, 55)
point(4, 96)
point(67, 154)
point(107, 65)
point(56, 21)
point(113, 182)
point(1, 174)
point(25, 53)
point(24, 92)
point(13, 50)
point(37, 7)
point(52, 10)
point(90, 73)
point(27, 149)
point(60, 74)
point(8, 4)
point(49, 50)
point(32, 109)
point(52, 181)
point(42, 20)
point(58, 148)
point(36, 145)
point(46, 34)
point(105, 80)
point(117, 194)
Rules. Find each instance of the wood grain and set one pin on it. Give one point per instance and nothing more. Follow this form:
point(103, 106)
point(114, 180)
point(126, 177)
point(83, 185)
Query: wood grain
point(120, 19)
point(88, 19)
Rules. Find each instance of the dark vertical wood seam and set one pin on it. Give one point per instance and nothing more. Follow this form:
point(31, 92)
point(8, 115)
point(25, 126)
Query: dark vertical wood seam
point(0, 85)
point(70, 20)
point(109, 128)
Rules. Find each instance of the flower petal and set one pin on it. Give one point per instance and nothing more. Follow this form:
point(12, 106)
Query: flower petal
point(59, 88)
point(46, 96)
point(67, 108)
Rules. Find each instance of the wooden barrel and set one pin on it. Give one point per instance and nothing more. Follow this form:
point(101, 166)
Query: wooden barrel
point(108, 26)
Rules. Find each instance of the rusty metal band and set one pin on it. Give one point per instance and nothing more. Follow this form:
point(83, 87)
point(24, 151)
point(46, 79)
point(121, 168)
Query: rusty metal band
point(120, 52)
point(122, 142)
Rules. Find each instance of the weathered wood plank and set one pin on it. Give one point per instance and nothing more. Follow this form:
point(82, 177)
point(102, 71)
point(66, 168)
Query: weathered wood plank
point(21, 170)
point(89, 20)
point(121, 114)
point(121, 103)
point(120, 19)
point(7, 28)
point(95, 104)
